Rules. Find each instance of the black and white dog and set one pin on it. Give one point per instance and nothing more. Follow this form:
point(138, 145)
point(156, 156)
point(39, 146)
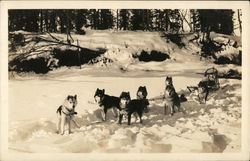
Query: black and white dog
point(66, 113)
point(129, 107)
point(142, 95)
point(106, 102)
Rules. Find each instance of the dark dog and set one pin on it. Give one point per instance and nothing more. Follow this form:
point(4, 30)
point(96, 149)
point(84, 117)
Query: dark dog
point(106, 102)
point(203, 91)
point(142, 95)
point(129, 107)
point(66, 113)
point(172, 99)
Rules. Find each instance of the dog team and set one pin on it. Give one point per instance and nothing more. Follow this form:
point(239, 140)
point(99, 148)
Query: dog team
point(121, 106)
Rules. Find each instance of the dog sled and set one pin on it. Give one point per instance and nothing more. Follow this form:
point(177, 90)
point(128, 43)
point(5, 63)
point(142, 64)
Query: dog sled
point(210, 82)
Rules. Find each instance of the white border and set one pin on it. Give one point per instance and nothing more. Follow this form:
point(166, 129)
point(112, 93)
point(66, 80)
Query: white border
point(6, 156)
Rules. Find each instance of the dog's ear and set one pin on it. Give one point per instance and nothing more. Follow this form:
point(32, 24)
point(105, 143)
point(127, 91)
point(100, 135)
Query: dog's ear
point(103, 91)
point(68, 97)
point(75, 96)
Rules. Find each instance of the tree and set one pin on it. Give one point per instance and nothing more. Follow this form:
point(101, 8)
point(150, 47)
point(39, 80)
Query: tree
point(80, 19)
point(137, 19)
point(195, 20)
point(239, 19)
point(184, 14)
point(124, 19)
point(106, 19)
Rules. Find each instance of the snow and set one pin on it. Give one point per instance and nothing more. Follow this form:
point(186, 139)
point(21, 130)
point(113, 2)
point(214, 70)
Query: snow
point(33, 123)
point(33, 100)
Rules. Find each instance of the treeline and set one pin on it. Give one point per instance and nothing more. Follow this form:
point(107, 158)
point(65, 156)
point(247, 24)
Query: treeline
point(171, 20)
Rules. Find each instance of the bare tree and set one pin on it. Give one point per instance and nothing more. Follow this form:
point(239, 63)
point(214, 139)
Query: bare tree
point(183, 14)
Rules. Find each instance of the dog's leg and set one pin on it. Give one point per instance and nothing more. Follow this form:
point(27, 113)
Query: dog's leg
point(103, 112)
point(129, 118)
point(207, 92)
point(176, 108)
point(63, 121)
point(140, 117)
point(146, 110)
point(165, 109)
point(200, 99)
point(120, 119)
point(183, 109)
point(114, 112)
point(103, 115)
point(171, 107)
point(58, 125)
point(69, 123)
point(136, 117)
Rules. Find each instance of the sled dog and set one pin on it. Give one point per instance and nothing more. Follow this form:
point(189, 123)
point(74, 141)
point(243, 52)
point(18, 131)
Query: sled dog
point(142, 95)
point(106, 102)
point(129, 107)
point(172, 100)
point(66, 113)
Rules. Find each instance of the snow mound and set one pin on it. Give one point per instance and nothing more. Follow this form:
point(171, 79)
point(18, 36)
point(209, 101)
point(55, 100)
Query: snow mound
point(23, 131)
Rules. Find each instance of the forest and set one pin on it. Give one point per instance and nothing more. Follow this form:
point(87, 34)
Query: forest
point(173, 25)
point(171, 20)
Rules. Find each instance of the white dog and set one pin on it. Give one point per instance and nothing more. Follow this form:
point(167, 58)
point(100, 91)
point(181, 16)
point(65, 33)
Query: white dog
point(66, 113)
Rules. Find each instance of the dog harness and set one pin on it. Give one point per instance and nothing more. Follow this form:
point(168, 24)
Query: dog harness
point(70, 111)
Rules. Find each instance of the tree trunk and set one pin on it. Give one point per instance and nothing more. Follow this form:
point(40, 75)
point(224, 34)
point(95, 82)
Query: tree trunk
point(183, 16)
point(239, 20)
point(41, 21)
point(117, 19)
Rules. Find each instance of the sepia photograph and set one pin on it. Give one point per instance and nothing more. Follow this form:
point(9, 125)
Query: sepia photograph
point(114, 80)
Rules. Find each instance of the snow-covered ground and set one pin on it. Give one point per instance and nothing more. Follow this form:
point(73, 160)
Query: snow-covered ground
point(211, 127)
point(32, 117)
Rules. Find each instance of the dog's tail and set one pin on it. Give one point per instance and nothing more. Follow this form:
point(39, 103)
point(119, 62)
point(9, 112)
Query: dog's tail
point(182, 98)
point(59, 110)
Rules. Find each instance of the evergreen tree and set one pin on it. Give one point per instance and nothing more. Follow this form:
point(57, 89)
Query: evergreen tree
point(124, 19)
point(106, 19)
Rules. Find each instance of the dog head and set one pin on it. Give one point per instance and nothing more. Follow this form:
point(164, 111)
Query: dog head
point(99, 94)
point(71, 101)
point(124, 98)
point(169, 80)
point(142, 92)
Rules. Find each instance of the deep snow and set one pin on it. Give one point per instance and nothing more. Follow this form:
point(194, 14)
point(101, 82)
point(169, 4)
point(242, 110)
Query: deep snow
point(33, 119)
